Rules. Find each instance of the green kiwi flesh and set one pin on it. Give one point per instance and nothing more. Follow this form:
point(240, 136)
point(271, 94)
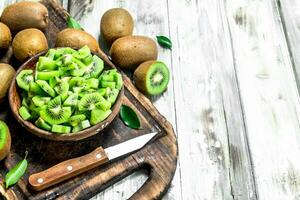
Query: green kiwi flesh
point(5, 140)
point(152, 77)
point(68, 91)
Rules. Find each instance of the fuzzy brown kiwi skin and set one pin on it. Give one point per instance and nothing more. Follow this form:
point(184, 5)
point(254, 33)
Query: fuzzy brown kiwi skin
point(116, 23)
point(7, 73)
point(5, 36)
point(6, 149)
point(76, 39)
point(23, 15)
point(130, 51)
point(139, 76)
point(29, 42)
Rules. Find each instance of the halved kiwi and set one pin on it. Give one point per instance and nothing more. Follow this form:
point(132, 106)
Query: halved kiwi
point(5, 140)
point(151, 77)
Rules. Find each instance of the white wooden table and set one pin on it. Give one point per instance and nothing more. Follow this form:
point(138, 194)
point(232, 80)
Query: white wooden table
point(233, 97)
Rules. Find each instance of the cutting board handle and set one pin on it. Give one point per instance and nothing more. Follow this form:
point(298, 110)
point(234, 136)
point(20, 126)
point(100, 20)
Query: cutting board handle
point(151, 189)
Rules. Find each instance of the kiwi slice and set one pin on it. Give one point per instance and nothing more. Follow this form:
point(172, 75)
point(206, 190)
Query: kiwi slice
point(112, 95)
point(98, 115)
point(47, 75)
point(107, 84)
point(82, 125)
point(62, 87)
point(89, 101)
point(24, 113)
point(55, 113)
point(71, 100)
point(36, 89)
point(35, 111)
point(61, 129)
point(107, 77)
point(104, 105)
point(91, 83)
point(88, 60)
point(46, 63)
point(118, 80)
point(24, 78)
point(40, 101)
point(5, 140)
point(53, 81)
point(51, 54)
point(95, 68)
point(82, 52)
point(42, 124)
point(102, 91)
point(76, 81)
point(76, 119)
point(152, 77)
point(46, 87)
point(77, 72)
point(25, 102)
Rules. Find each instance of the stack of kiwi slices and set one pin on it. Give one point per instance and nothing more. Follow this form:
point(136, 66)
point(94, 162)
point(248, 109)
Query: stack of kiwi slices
point(69, 90)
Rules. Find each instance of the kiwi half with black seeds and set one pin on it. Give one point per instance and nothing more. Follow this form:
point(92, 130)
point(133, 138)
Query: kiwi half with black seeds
point(152, 77)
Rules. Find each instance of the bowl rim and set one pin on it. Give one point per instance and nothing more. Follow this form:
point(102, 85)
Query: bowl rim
point(32, 128)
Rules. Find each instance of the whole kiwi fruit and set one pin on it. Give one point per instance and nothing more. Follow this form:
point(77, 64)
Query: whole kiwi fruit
point(116, 23)
point(29, 42)
point(25, 14)
point(5, 140)
point(5, 36)
point(75, 38)
point(7, 73)
point(130, 51)
point(151, 77)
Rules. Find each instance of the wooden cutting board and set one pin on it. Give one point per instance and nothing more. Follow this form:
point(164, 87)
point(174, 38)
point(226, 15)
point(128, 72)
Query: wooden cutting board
point(159, 158)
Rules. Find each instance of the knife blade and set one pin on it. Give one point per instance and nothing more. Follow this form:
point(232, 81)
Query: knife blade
point(73, 167)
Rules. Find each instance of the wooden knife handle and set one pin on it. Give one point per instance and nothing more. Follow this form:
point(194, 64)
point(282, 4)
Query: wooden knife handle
point(67, 169)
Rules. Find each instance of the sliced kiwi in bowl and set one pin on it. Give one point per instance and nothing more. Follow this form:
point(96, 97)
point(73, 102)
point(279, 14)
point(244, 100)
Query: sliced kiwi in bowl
point(54, 94)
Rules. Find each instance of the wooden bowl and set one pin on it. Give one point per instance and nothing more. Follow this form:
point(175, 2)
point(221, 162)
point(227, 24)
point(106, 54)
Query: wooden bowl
point(15, 103)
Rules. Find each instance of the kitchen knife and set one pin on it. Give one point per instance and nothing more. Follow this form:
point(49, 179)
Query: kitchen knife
point(73, 167)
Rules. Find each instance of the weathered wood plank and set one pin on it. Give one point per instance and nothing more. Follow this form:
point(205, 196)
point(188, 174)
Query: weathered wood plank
point(213, 153)
point(269, 96)
point(290, 13)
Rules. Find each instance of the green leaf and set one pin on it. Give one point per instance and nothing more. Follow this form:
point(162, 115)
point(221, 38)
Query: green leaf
point(15, 173)
point(72, 23)
point(164, 41)
point(129, 117)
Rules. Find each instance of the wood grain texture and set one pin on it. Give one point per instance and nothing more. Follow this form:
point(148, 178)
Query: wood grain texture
point(98, 179)
point(269, 96)
point(289, 11)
